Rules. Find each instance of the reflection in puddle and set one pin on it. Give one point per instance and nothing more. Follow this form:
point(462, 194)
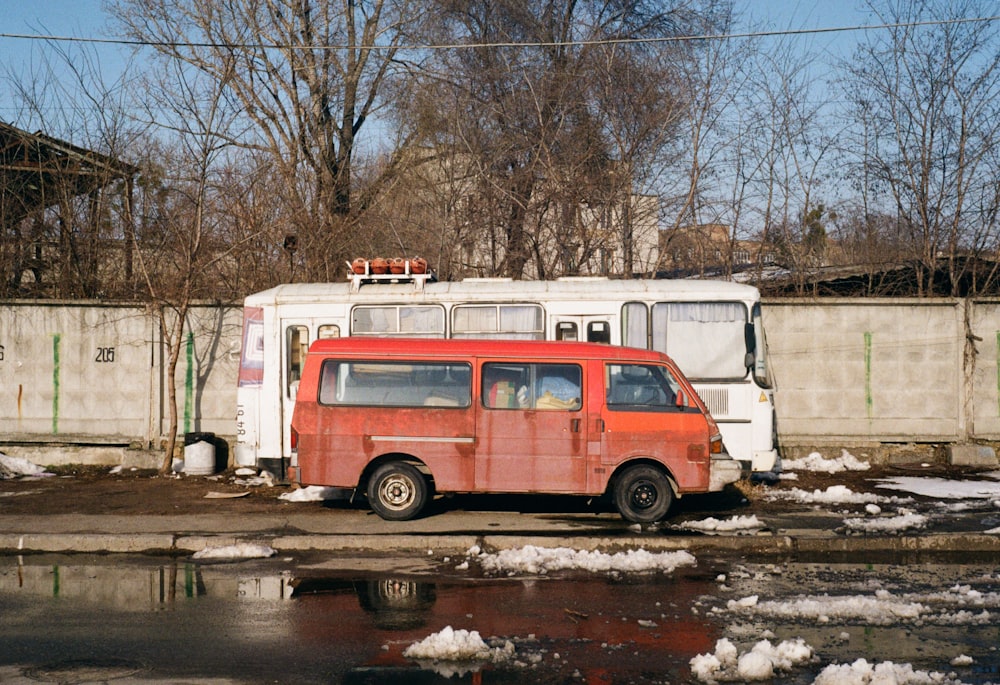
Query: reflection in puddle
point(350, 629)
point(135, 587)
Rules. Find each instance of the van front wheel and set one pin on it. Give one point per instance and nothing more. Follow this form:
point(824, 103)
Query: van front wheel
point(397, 491)
point(643, 494)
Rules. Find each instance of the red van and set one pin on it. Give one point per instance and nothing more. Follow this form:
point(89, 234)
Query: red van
point(401, 420)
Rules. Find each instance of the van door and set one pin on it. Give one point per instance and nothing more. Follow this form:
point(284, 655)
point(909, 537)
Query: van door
point(648, 416)
point(531, 433)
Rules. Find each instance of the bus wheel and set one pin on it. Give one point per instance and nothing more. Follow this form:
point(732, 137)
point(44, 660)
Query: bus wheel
point(643, 494)
point(397, 491)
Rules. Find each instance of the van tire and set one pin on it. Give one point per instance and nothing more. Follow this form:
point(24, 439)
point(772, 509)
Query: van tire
point(643, 494)
point(397, 491)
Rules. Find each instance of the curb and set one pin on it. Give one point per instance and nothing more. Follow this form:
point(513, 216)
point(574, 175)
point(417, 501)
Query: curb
point(406, 545)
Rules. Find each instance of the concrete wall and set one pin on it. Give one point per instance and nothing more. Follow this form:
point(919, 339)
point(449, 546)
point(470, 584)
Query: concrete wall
point(848, 371)
point(869, 369)
point(84, 373)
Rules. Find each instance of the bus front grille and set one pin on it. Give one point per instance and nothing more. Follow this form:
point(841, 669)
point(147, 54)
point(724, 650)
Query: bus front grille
point(717, 401)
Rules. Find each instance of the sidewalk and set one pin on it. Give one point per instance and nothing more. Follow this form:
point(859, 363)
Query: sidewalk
point(359, 532)
point(142, 513)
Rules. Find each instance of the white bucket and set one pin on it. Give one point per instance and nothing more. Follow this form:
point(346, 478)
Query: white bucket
point(199, 458)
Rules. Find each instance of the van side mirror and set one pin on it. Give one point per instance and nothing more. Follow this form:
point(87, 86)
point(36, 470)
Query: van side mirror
point(679, 399)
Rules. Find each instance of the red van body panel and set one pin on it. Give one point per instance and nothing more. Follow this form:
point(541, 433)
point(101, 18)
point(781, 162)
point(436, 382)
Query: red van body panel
point(514, 449)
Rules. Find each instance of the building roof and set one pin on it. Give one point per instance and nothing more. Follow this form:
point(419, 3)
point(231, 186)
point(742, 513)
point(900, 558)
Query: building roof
point(38, 171)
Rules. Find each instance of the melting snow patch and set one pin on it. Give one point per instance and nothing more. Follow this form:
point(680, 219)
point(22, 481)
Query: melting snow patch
point(835, 494)
point(863, 673)
point(760, 663)
point(893, 524)
point(14, 467)
point(816, 462)
point(458, 645)
point(943, 488)
point(730, 525)
point(541, 560)
point(312, 493)
point(241, 550)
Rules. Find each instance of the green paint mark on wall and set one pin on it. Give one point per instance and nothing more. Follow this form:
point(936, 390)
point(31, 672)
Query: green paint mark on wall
point(868, 373)
point(55, 382)
point(189, 383)
point(55, 581)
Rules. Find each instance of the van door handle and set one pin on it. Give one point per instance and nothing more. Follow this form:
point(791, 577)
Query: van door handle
point(599, 425)
point(574, 425)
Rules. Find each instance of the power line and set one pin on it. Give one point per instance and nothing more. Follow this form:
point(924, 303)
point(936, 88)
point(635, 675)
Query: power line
point(458, 46)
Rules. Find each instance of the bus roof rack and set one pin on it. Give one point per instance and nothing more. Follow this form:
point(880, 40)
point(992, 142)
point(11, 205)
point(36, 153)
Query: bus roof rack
point(364, 271)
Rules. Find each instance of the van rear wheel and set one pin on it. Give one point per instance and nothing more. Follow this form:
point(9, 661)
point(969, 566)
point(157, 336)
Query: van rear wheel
point(397, 491)
point(643, 494)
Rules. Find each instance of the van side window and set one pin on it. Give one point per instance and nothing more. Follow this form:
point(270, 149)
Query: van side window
point(394, 384)
point(640, 387)
point(532, 386)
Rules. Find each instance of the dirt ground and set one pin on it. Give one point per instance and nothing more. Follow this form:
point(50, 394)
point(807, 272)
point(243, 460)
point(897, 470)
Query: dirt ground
point(95, 490)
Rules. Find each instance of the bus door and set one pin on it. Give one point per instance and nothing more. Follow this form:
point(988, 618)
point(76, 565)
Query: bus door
point(531, 434)
point(296, 336)
point(581, 328)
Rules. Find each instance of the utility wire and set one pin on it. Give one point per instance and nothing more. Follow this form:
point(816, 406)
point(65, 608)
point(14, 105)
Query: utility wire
point(459, 46)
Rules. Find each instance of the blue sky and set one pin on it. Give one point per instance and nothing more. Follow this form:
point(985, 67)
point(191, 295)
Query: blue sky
point(85, 18)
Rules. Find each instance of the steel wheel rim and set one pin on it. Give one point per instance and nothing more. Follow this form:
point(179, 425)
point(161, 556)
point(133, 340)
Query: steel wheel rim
point(644, 495)
point(396, 492)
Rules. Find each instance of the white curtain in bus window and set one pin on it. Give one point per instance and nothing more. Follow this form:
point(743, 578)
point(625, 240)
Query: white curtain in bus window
point(373, 320)
point(704, 338)
point(520, 322)
point(422, 321)
point(636, 325)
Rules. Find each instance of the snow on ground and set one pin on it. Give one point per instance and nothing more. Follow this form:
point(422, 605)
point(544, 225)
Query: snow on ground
point(16, 467)
point(835, 494)
point(906, 520)
point(958, 605)
point(817, 463)
point(542, 560)
point(734, 524)
point(241, 550)
point(886, 673)
point(761, 662)
point(312, 493)
point(458, 645)
point(944, 488)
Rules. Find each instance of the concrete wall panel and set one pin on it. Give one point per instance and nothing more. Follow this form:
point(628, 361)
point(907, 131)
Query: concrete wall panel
point(861, 370)
point(65, 365)
point(866, 369)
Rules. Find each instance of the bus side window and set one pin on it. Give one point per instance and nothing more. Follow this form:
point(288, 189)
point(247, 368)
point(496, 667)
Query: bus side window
point(599, 332)
point(297, 344)
point(327, 331)
point(566, 330)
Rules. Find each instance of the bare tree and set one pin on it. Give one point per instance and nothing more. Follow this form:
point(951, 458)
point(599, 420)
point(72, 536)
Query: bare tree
point(179, 206)
point(308, 75)
point(536, 116)
point(925, 99)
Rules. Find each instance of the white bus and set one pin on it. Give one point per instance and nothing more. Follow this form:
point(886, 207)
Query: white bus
point(712, 329)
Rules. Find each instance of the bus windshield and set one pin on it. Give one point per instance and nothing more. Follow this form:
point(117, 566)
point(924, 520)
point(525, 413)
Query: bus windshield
point(706, 339)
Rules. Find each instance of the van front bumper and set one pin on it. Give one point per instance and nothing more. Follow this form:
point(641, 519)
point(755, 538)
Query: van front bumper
point(723, 470)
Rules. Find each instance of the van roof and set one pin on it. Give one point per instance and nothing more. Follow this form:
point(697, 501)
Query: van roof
point(449, 347)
